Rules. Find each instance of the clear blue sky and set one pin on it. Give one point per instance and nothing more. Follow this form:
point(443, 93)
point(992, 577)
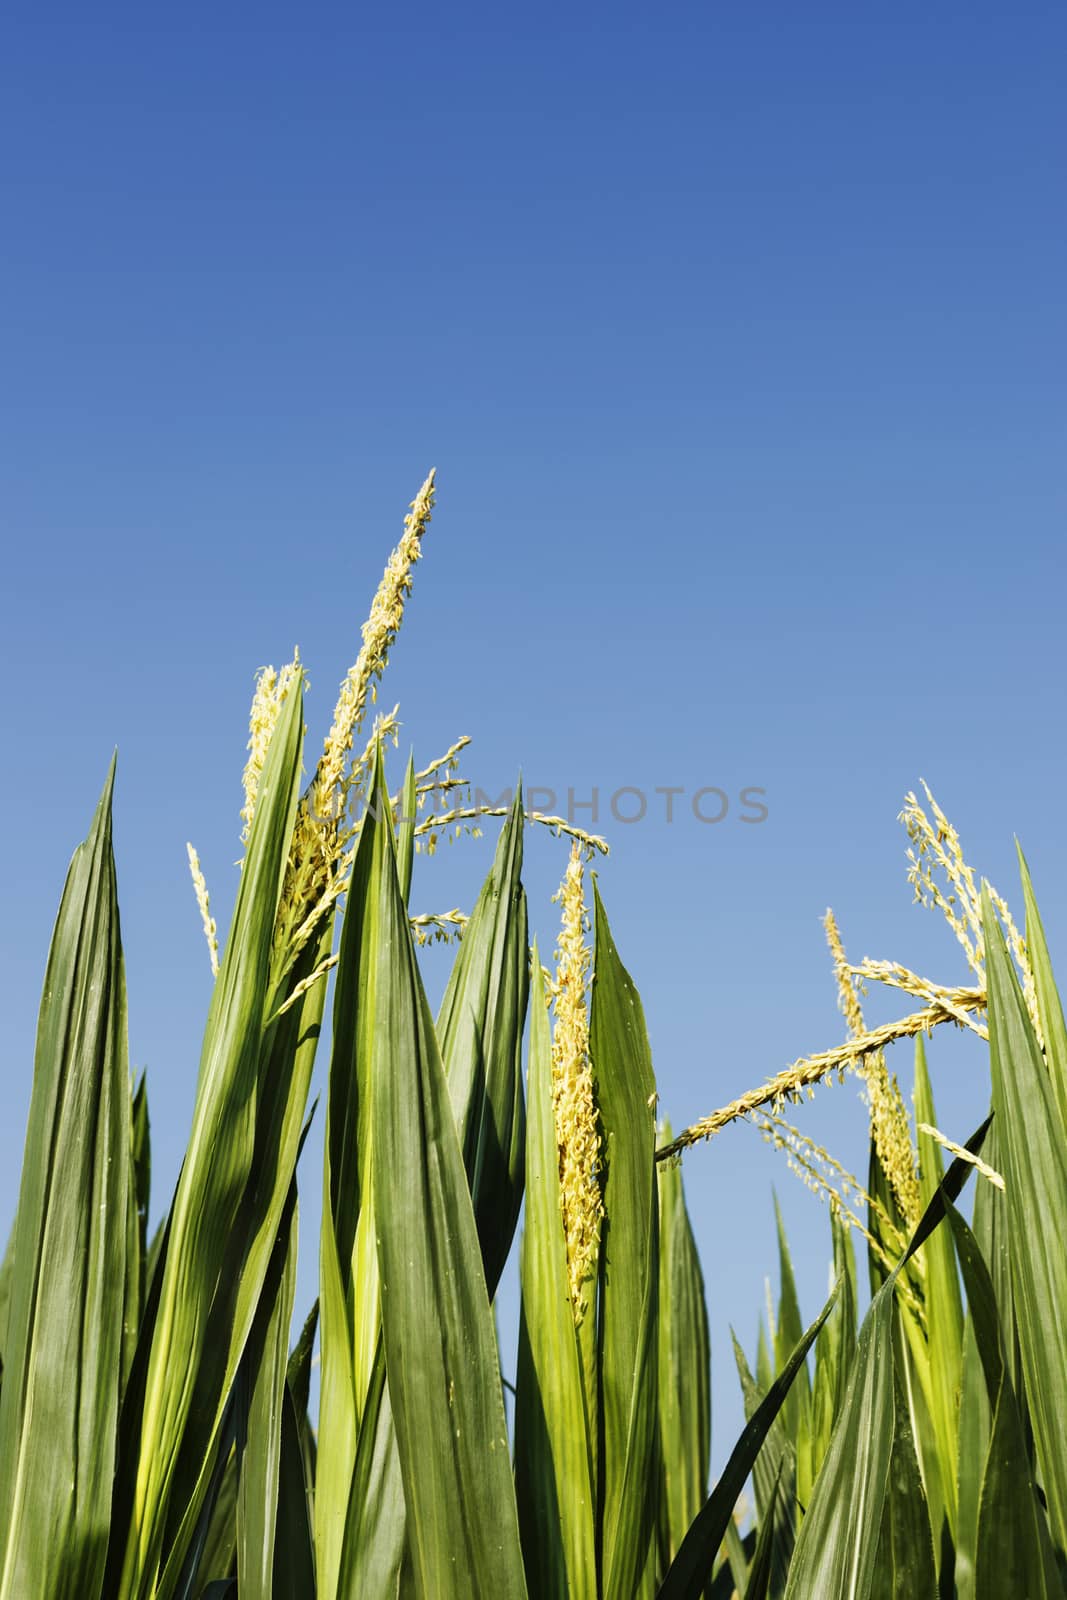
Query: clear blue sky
point(737, 338)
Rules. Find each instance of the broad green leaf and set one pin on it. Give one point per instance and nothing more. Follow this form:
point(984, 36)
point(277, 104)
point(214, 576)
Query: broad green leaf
point(294, 1546)
point(479, 1031)
point(373, 1549)
point(214, 1224)
point(796, 1413)
point(218, 1552)
point(836, 1344)
point(943, 1305)
point(440, 1344)
point(1014, 1555)
point(1031, 1143)
point(625, 1089)
point(405, 830)
point(298, 1377)
point(348, 1261)
point(758, 1586)
point(975, 1426)
point(774, 1476)
point(868, 1465)
point(137, 1225)
point(905, 1563)
point(684, 1361)
point(261, 1396)
point(63, 1347)
point(6, 1268)
point(838, 1541)
point(691, 1567)
point(1049, 1006)
point(554, 1479)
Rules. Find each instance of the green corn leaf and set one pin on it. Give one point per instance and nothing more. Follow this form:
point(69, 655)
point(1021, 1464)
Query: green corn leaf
point(298, 1378)
point(405, 830)
point(796, 1413)
point(1049, 1006)
point(137, 1262)
point(6, 1268)
point(554, 1477)
point(63, 1347)
point(774, 1475)
point(836, 1344)
point(348, 1262)
point(625, 1089)
point(210, 1224)
point(479, 1031)
point(1013, 1551)
point(261, 1396)
point(975, 1426)
point(684, 1362)
point(294, 1546)
point(440, 1343)
point(943, 1304)
point(374, 1545)
point(905, 1562)
point(217, 1555)
point(732, 1572)
point(840, 1545)
point(1031, 1143)
point(838, 1542)
point(691, 1567)
point(758, 1586)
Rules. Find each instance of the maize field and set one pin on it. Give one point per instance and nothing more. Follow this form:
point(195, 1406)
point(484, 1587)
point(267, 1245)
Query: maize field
point(158, 1437)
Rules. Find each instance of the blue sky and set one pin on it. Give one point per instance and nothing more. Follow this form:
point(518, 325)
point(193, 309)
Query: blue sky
point(737, 339)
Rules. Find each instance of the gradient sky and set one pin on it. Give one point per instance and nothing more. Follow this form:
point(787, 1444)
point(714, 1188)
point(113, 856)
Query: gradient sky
point(736, 336)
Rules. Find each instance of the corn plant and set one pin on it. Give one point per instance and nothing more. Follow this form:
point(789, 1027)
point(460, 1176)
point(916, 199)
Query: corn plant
point(157, 1433)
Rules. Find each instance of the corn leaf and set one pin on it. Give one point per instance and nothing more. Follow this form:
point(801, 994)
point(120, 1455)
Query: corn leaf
point(1032, 1146)
point(758, 1586)
point(692, 1566)
point(440, 1343)
point(63, 1346)
point(796, 1413)
point(1049, 1006)
point(260, 1399)
point(208, 1227)
point(774, 1476)
point(684, 1362)
point(975, 1425)
point(943, 1304)
point(554, 1477)
point(479, 1031)
point(625, 1089)
point(348, 1262)
point(1014, 1554)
